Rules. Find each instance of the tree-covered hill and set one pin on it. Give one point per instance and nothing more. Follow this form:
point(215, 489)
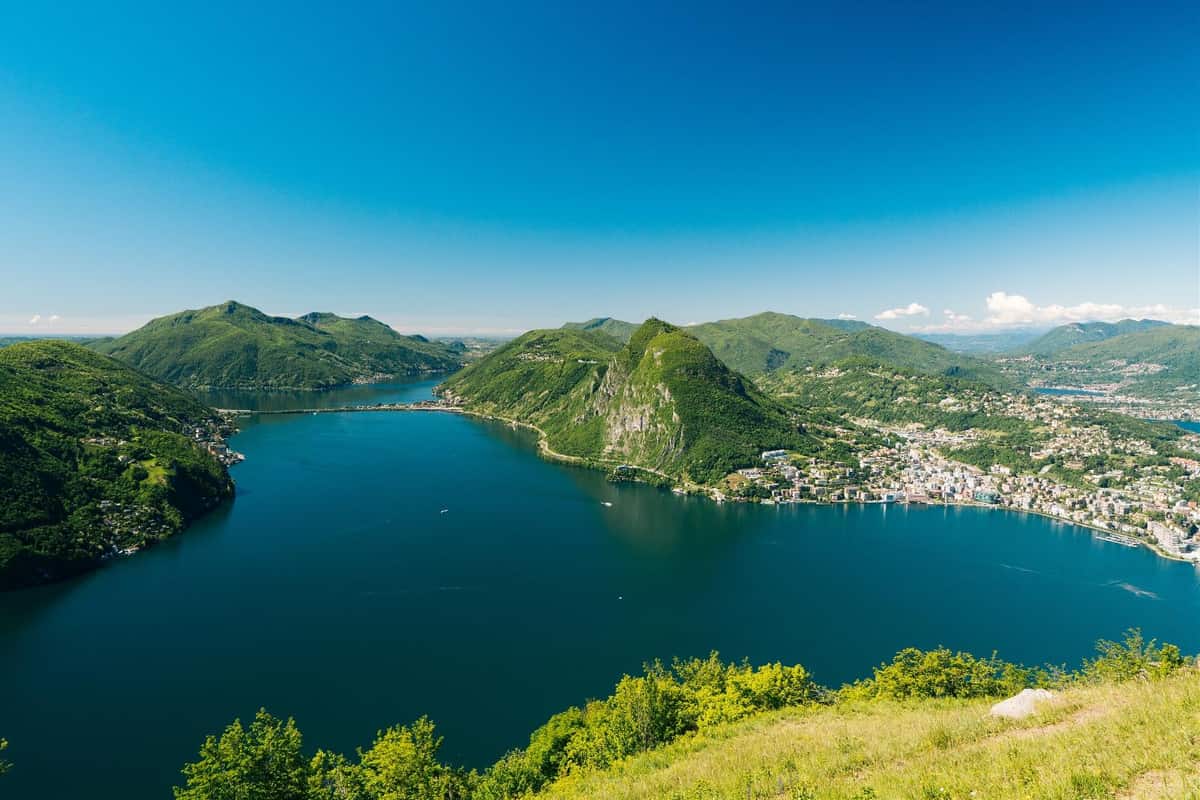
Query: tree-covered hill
point(235, 346)
point(662, 402)
point(1063, 337)
point(770, 341)
point(95, 458)
point(1156, 361)
point(1176, 348)
point(616, 328)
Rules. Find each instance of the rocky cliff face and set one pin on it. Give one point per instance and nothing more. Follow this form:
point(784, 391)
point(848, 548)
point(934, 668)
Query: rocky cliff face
point(662, 401)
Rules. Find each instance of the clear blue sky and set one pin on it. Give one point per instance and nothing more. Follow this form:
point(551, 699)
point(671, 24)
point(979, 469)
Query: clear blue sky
point(457, 167)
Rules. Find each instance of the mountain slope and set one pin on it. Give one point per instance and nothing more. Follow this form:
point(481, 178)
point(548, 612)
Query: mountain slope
point(771, 341)
point(1165, 357)
point(663, 401)
point(235, 346)
point(1076, 333)
point(94, 457)
point(616, 328)
point(1113, 740)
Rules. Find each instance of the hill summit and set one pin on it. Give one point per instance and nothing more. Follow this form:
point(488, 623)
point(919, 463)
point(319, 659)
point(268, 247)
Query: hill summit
point(233, 345)
point(662, 401)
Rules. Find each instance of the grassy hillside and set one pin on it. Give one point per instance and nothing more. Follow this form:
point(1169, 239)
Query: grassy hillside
point(94, 457)
point(616, 328)
point(663, 401)
point(770, 341)
point(1123, 725)
point(1065, 336)
point(236, 346)
point(1134, 740)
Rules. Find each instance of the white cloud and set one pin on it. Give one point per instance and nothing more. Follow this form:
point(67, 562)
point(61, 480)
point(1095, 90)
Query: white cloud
point(38, 319)
point(844, 315)
point(910, 310)
point(1006, 310)
point(1013, 309)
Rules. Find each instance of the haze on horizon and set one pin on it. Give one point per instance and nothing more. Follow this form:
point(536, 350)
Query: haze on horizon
point(455, 170)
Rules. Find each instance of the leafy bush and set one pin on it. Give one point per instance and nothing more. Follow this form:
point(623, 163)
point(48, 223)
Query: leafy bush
point(1133, 657)
point(915, 673)
point(644, 712)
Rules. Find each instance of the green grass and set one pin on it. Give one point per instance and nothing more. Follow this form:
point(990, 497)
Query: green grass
point(1137, 739)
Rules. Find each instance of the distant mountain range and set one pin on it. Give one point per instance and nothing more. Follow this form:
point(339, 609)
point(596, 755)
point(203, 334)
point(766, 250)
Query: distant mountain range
point(235, 346)
point(982, 343)
point(1147, 359)
point(771, 341)
point(94, 457)
point(616, 328)
point(1076, 333)
point(662, 400)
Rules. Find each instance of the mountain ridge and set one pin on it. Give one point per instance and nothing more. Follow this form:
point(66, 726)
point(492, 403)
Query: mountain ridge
point(232, 345)
point(1073, 334)
point(662, 401)
point(95, 458)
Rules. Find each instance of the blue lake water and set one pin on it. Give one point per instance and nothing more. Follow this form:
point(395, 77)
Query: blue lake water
point(1060, 391)
point(335, 590)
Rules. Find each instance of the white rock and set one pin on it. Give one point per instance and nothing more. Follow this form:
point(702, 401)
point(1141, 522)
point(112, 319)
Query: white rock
point(1022, 705)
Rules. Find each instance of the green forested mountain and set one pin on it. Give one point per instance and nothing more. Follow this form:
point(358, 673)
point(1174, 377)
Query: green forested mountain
point(1173, 346)
point(1162, 358)
point(770, 341)
point(94, 457)
point(236, 346)
point(663, 401)
point(1065, 336)
point(616, 328)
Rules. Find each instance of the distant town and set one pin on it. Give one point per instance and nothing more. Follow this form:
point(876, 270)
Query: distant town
point(1146, 505)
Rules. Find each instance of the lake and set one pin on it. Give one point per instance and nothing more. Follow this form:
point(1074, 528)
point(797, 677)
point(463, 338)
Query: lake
point(335, 589)
point(1067, 392)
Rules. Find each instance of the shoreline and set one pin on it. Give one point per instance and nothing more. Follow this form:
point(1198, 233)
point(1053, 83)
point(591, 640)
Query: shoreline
point(691, 489)
point(698, 490)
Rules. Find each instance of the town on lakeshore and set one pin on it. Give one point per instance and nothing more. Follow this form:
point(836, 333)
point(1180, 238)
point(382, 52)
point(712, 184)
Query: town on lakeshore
point(908, 464)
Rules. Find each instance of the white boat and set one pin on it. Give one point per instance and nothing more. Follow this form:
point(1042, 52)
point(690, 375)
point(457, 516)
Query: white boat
point(606, 504)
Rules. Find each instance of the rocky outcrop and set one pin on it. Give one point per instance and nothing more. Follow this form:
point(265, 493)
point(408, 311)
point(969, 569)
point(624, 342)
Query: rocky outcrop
point(1021, 705)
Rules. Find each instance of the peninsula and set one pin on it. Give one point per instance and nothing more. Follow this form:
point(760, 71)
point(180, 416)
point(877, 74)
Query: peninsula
point(880, 417)
point(98, 460)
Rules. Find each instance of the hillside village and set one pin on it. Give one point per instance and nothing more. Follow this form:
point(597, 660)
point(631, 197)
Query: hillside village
point(127, 526)
point(916, 464)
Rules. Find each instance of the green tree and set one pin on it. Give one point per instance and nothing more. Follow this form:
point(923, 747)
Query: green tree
point(402, 765)
point(1133, 657)
point(4, 765)
point(262, 762)
point(332, 777)
point(916, 673)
